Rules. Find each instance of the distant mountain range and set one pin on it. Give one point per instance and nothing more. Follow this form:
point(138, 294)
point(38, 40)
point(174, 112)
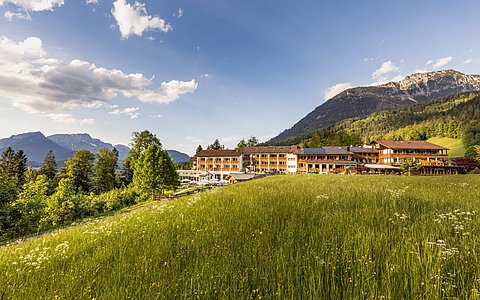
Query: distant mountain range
point(36, 146)
point(360, 102)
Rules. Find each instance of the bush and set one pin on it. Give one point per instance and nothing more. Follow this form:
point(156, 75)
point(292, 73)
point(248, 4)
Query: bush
point(475, 171)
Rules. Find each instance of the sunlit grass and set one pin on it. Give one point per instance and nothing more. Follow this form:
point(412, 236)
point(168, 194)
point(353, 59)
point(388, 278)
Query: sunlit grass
point(305, 237)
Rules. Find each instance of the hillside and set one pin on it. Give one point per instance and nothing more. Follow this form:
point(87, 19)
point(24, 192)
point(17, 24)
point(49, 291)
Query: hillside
point(447, 117)
point(281, 237)
point(360, 102)
point(457, 149)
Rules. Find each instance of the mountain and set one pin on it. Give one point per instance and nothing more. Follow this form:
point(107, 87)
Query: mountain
point(360, 102)
point(83, 141)
point(36, 146)
point(79, 141)
point(178, 156)
point(455, 117)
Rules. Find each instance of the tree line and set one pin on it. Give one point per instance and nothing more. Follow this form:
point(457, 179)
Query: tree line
point(87, 184)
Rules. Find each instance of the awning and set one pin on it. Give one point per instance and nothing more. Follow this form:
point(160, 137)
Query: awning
point(380, 166)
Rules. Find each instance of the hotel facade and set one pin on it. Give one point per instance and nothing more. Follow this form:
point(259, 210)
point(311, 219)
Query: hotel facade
point(377, 157)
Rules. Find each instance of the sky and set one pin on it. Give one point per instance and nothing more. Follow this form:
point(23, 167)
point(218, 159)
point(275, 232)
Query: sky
point(193, 71)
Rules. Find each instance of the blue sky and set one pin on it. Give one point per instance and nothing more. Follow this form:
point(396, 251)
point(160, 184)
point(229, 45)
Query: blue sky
point(193, 71)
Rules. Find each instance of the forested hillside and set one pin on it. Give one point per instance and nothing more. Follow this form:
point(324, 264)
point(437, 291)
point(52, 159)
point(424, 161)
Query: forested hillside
point(454, 117)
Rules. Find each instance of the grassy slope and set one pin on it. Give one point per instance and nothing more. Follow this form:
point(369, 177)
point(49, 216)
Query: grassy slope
point(305, 236)
point(457, 149)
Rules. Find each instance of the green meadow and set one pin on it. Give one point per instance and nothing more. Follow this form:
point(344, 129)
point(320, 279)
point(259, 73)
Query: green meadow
point(282, 237)
point(457, 149)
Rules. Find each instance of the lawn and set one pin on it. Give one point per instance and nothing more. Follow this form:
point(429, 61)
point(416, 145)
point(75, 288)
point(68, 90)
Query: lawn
point(457, 149)
point(282, 237)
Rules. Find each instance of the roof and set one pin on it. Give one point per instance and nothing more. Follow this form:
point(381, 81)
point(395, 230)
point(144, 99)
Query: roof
point(325, 151)
point(270, 149)
point(242, 176)
point(363, 150)
point(219, 153)
point(380, 166)
point(410, 145)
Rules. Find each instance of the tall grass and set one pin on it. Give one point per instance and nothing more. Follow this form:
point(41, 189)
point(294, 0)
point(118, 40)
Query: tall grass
point(303, 237)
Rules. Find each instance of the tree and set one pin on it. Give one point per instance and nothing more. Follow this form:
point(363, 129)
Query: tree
point(468, 164)
point(410, 165)
point(199, 148)
point(49, 166)
point(252, 141)
point(7, 163)
point(30, 205)
point(471, 134)
point(471, 152)
point(140, 142)
point(105, 170)
point(154, 172)
point(20, 167)
point(61, 206)
point(79, 169)
point(215, 145)
point(242, 144)
point(8, 194)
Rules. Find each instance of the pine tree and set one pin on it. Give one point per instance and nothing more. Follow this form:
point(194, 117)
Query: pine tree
point(20, 167)
point(79, 169)
point(49, 166)
point(7, 162)
point(199, 148)
point(105, 170)
point(215, 145)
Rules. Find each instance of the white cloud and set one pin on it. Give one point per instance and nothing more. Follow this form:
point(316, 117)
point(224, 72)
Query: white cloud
point(42, 85)
point(34, 5)
point(91, 1)
point(151, 38)
point(336, 89)
point(468, 61)
point(179, 13)
point(132, 112)
point(156, 116)
point(206, 76)
point(194, 139)
point(18, 15)
point(68, 119)
point(429, 62)
point(442, 61)
point(386, 68)
point(134, 19)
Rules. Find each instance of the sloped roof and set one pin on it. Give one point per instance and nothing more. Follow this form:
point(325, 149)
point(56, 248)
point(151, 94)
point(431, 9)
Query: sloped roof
point(270, 149)
point(410, 145)
point(219, 153)
point(363, 150)
point(325, 151)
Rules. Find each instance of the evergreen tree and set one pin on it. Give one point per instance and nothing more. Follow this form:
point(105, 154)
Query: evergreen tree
point(252, 141)
point(242, 144)
point(7, 163)
point(49, 166)
point(79, 169)
point(215, 145)
point(199, 148)
point(105, 170)
point(20, 167)
point(8, 194)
